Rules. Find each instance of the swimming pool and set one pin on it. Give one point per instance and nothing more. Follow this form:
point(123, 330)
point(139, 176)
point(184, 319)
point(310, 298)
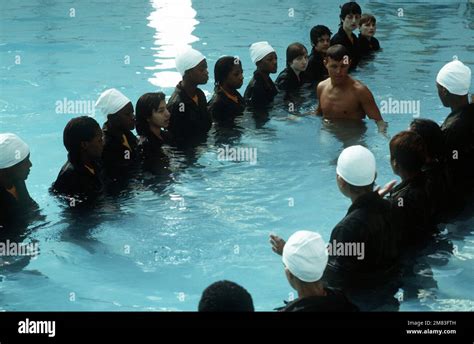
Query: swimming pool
point(157, 247)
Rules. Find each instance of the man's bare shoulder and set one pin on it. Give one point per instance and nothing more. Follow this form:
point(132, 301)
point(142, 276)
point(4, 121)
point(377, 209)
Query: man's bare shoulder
point(323, 84)
point(360, 87)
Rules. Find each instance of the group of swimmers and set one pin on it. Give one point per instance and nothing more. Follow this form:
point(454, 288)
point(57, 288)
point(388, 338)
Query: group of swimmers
point(435, 163)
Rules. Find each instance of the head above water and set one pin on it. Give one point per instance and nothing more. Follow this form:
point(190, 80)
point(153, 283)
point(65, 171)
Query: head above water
point(228, 73)
point(151, 111)
point(15, 161)
point(350, 16)
point(337, 62)
point(198, 75)
point(192, 66)
point(432, 135)
point(356, 171)
point(453, 82)
point(118, 109)
point(264, 57)
point(367, 18)
point(123, 120)
point(225, 296)
point(297, 56)
point(305, 257)
point(82, 138)
point(407, 153)
point(367, 25)
point(320, 36)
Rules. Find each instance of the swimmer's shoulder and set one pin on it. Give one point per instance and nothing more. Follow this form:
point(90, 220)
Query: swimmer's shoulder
point(323, 85)
point(360, 87)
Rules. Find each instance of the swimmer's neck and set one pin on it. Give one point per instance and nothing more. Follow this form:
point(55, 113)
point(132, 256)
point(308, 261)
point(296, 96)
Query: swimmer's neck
point(86, 160)
point(6, 184)
point(348, 33)
point(343, 83)
point(155, 130)
point(263, 72)
point(227, 89)
point(458, 104)
point(189, 88)
point(355, 197)
point(297, 72)
point(310, 289)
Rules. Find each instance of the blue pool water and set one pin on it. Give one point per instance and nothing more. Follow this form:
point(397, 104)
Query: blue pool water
point(146, 249)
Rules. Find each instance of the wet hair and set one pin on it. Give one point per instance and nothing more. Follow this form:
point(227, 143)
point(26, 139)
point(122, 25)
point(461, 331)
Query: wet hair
point(225, 296)
point(77, 130)
point(408, 149)
point(223, 68)
point(144, 110)
point(317, 32)
point(351, 7)
point(431, 134)
point(337, 52)
point(367, 18)
point(293, 51)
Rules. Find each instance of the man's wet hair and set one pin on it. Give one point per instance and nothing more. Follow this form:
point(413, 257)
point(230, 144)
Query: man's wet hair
point(293, 51)
point(351, 7)
point(77, 130)
point(223, 68)
point(367, 18)
point(408, 149)
point(431, 134)
point(225, 296)
point(337, 52)
point(144, 110)
point(317, 32)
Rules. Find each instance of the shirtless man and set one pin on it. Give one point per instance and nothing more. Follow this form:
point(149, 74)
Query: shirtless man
point(342, 97)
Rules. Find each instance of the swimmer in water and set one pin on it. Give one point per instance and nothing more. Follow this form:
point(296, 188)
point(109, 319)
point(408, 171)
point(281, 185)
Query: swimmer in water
point(15, 167)
point(305, 257)
point(190, 121)
point(349, 21)
point(120, 144)
point(261, 90)
point(291, 78)
point(342, 97)
point(368, 221)
point(367, 42)
point(227, 103)
point(316, 71)
point(81, 175)
point(453, 82)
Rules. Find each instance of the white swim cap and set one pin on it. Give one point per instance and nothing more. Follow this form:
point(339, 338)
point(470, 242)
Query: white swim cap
point(455, 76)
point(111, 101)
point(259, 50)
point(188, 58)
point(356, 165)
point(305, 255)
point(13, 150)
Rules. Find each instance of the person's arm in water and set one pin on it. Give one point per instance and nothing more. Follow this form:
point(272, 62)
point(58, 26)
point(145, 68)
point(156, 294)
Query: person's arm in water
point(319, 90)
point(371, 109)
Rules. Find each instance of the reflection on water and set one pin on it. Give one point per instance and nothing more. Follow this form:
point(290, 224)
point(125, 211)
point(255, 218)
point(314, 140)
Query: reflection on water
point(174, 22)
